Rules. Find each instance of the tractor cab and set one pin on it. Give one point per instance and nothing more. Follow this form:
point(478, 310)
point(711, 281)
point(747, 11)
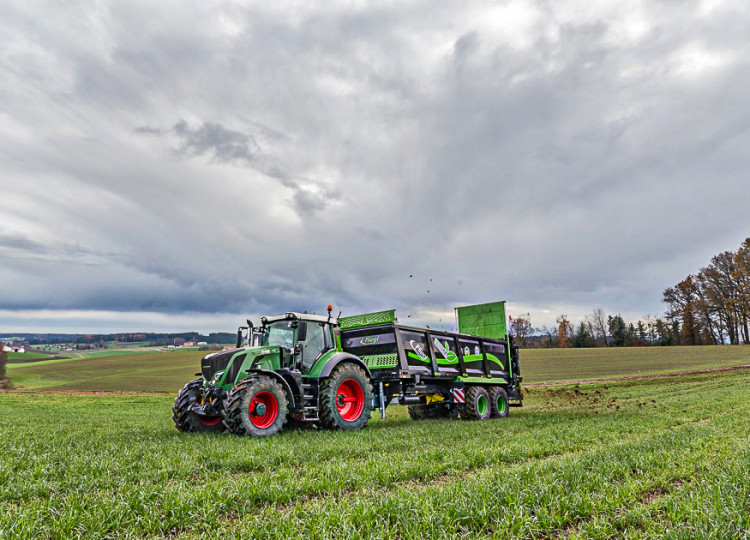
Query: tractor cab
point(302, 336)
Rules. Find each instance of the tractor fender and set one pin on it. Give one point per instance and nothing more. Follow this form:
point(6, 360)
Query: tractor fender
point(275, 376)
point(337, 359)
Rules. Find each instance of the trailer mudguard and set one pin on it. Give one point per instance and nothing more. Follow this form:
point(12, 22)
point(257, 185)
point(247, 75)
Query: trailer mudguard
point(276, 377)
point(338, 358)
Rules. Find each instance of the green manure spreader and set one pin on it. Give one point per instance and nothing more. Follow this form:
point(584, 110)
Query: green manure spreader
point(300, 368)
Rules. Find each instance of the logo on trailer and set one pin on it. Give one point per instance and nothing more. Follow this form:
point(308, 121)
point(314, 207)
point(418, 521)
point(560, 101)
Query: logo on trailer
point(440, 348)
point(418, 349)
point(458, 395)
point(372, 340)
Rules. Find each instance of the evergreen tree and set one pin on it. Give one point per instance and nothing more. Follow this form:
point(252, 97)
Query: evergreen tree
point(583, 337)
point(617, 330)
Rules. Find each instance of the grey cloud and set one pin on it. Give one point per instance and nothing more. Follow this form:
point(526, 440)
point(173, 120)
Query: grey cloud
point(19, 241)
point(148, 130)
point(224, 145)
point(212, 139)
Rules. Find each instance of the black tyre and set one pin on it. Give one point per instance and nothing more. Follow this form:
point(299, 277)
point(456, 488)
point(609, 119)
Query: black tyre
point(345, 398)
point(477, 406)
point(449, 410)
point(499, 398)
point(257, 406)
point(422, 412)
point(186, 420)
point(295, 422)
point(432, 411)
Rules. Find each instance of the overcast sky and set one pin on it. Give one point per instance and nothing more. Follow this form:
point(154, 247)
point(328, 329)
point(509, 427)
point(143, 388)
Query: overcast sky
point(184, 165)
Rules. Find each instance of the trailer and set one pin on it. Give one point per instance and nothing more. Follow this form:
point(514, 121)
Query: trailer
point(299, 368)
point(436, 373)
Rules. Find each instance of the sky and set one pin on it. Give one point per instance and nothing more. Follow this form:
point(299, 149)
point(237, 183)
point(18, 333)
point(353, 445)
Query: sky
point(185, 165)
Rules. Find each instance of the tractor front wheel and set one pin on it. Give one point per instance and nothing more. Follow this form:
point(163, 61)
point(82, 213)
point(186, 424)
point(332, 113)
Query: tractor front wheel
point(256, 406)
point(185, 419)
point(477, 406)
point(345, 399)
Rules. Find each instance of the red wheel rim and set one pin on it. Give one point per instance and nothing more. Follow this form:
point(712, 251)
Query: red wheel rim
point(350, 400)
point(267, 417)
point(209, 420)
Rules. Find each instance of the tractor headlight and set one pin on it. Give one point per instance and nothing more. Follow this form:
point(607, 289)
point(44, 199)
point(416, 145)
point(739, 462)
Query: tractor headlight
point(216, 378)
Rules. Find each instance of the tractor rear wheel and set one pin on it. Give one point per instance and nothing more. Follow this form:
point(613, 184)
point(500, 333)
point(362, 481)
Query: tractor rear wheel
point(256, 406)
point(345, 398)
point(477, 406)
point(185, 419)
point(499, 398)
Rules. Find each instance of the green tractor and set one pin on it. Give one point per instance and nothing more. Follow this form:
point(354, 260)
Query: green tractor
point(290, 370)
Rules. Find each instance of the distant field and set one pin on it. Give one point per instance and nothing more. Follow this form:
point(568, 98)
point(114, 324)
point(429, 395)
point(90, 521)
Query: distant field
point(141, 372)
point(98, 353)
point(632, 459)
point(27, 356)
point(168, 371)
point(546, 365)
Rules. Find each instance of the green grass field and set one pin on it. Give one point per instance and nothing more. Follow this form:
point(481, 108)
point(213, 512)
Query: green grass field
point(144, 372)
point(27, 356)
point(649, 458)
point(166, 372)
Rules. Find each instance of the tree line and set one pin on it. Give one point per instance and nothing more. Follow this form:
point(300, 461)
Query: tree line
point(709, 307)
point(713, 305)
point(597, 329)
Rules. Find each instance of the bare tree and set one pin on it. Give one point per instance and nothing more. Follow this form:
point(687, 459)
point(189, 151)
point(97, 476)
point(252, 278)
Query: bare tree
point(742, 279)
point(521, 328)
point(564, 331)
point(3, 362)
point(598, 324)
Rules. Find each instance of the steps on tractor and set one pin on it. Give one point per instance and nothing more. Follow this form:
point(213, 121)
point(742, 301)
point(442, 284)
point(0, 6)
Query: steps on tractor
point(310, 401)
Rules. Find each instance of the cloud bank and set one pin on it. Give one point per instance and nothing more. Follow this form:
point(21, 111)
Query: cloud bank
point(187, 158)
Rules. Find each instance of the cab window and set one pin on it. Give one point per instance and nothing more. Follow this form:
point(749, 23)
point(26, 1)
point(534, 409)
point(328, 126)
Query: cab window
point(313, 345)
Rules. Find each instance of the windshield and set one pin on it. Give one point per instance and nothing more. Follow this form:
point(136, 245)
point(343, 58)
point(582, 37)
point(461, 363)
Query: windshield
point(279, 333)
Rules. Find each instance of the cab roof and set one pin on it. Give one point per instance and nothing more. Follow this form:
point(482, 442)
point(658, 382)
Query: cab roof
point(299, 316)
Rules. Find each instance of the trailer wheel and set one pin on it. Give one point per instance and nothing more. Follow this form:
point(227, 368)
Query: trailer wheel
point(477, 406)
point(256, 406)
point(345, 398)
point(186, 420)
point(499, 398)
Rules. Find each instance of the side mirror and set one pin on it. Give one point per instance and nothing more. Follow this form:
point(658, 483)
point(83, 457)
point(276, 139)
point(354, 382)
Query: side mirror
point(302, 331)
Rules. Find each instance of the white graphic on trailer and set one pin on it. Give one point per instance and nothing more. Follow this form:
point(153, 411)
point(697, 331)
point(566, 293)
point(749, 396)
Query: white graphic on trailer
point(458, 395)
point(418, 349)
point(440, 348)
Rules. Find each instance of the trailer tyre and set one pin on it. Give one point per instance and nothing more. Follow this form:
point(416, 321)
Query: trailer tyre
point(186, 420)
point(499, 399)
point(345, 398)
point(477, 406)
point(257, 406)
